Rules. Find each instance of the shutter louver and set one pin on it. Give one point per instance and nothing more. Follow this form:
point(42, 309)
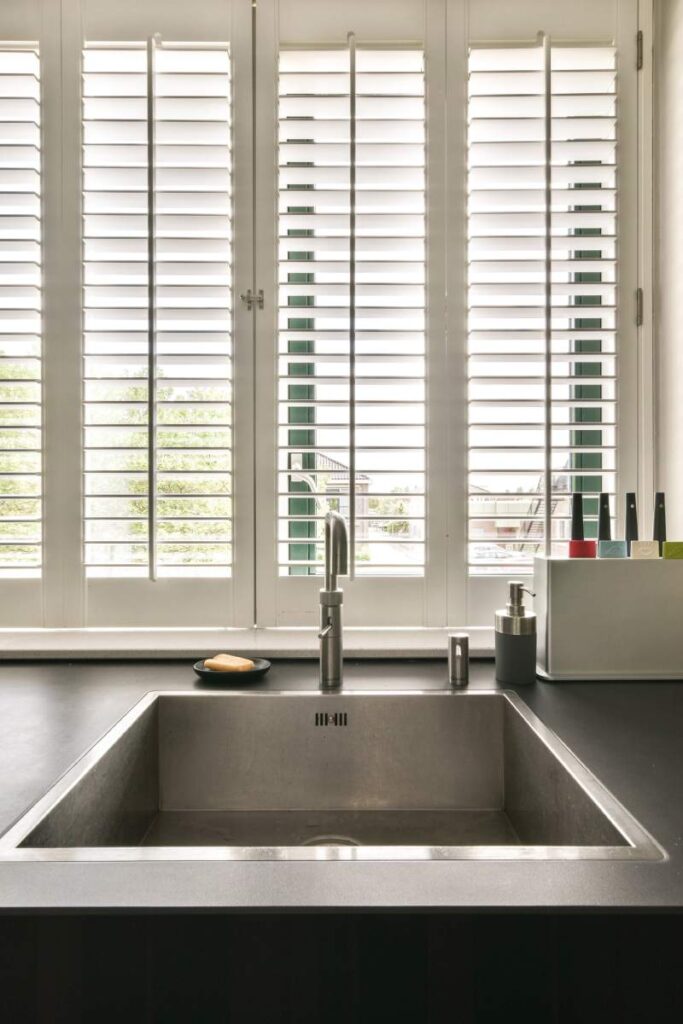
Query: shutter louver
point(340, 415)
point(506, 209)
point(20, 315)
point(191, 442)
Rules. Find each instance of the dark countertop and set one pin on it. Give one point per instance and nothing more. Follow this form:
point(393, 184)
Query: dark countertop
point(629, 734)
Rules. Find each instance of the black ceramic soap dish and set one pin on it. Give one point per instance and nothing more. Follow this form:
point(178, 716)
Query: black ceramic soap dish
point(260, 668)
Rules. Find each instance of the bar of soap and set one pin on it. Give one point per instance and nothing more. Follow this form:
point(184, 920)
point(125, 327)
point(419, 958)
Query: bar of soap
point(673, 548)
point(228, 663)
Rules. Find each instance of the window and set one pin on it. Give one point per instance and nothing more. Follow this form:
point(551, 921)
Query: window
point(157, 338)
point(261, 262)
point(20, 315)
point(507, 280)
point(352, 297)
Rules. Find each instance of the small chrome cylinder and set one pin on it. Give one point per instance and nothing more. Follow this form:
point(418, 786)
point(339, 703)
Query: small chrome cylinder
point(458, 659)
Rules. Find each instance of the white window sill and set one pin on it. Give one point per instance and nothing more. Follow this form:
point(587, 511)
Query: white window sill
point(268, 642)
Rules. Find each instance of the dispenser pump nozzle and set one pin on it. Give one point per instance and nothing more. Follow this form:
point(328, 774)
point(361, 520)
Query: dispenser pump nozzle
point(515, 603)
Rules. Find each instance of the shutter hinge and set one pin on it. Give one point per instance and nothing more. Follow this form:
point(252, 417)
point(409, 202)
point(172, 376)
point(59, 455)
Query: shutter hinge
point(639, 50)
point(250, 300)
point(639, 307)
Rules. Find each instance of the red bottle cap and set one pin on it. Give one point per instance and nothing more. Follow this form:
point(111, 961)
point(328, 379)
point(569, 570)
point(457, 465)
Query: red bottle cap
point(582, 549)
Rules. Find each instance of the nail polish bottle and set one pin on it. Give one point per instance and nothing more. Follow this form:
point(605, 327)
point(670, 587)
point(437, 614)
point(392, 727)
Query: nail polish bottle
point(659, 526)
point(604, 521)
point(608, 548)
point(578, 547)
point(644, 549)
point(631, 519)
point(612, 549)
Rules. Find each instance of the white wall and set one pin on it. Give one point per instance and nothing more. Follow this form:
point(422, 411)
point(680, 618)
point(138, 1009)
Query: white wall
point(669, 255)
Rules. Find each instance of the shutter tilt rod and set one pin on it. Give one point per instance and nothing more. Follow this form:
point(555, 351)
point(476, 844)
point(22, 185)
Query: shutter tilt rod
point(544, 41)
point(352, 305)
point(152, 43)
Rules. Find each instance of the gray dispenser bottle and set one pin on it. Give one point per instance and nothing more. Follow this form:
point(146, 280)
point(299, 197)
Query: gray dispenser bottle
point(515, 639)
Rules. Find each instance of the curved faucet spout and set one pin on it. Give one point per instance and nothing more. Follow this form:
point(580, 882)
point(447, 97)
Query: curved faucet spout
point(336, 549)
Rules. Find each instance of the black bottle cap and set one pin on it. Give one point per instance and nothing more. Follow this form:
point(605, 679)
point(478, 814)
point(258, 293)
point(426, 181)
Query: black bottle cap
point(604, 521)
point(659, 528)
point(631, 519)
point(577, 516)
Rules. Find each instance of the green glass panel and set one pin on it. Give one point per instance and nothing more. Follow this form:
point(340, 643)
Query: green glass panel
point(299, 324)
point(587, 277)
point(587, 345)
point(586, 438)
point(587, 369)
point(300, 392)
point(301, 414)
point(586, 322)
point(304, 346)
point(301, 531)
point(587, 392)
point(590, 414)
point(299, 437)
point(591, 506)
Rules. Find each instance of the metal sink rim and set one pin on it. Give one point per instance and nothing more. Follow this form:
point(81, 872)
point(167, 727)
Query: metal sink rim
point(639, 844)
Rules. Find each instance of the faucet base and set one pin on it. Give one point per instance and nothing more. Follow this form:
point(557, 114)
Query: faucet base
point(331, 597)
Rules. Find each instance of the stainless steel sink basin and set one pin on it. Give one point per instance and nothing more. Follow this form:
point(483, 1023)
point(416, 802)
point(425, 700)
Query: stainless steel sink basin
point(285, 776)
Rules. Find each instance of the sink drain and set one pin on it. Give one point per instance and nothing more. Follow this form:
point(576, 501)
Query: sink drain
point(330, 841)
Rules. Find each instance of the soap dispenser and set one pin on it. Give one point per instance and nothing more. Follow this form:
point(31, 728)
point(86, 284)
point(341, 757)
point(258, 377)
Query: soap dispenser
point(515, 639)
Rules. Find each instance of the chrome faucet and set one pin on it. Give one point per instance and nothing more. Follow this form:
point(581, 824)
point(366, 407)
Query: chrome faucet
point(331, 597)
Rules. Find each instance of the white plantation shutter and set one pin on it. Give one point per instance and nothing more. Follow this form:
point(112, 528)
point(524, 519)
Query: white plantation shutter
point(506, 315)
point(373, 171)
point(351, 264)
point(157, 421)
point(20, 314)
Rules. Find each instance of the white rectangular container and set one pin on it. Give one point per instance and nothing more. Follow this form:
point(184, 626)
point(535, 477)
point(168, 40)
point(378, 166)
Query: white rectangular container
point(611, 618)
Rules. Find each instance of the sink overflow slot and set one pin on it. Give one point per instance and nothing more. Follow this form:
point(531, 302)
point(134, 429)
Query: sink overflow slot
point(333, 718)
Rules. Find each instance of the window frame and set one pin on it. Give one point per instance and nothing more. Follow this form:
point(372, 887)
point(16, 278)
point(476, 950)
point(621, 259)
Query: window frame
point(195, 602)
point(635, 442)
point(90, 614)
point(380, 601)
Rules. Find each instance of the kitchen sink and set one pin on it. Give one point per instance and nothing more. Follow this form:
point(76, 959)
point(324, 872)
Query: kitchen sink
point(300, 776)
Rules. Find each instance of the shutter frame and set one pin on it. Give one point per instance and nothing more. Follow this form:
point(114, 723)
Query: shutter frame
point(505, 342)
